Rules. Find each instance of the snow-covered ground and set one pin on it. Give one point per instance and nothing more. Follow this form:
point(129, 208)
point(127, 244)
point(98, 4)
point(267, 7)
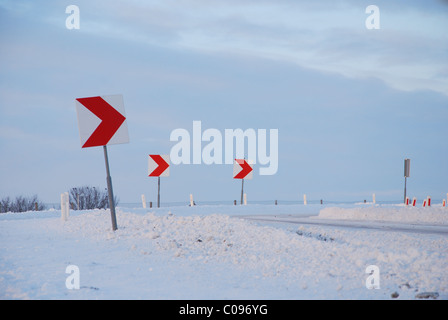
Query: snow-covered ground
point(222, 252)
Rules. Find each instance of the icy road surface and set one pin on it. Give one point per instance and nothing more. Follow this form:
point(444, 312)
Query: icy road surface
point(352, 224)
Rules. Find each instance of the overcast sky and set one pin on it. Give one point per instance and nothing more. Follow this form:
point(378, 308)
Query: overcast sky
point(350, 104)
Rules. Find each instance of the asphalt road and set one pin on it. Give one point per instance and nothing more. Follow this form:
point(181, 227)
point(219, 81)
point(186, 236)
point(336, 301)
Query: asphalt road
point(355, 224)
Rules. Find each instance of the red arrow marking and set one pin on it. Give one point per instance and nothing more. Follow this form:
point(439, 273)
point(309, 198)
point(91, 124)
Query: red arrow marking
point(111, 120)
point(246, 169)
point(163, 165)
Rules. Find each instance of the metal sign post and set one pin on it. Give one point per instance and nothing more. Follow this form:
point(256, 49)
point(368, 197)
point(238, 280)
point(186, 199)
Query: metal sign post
point(110, 192)
point(158, 192)
point(242, 190)
point(407, 168)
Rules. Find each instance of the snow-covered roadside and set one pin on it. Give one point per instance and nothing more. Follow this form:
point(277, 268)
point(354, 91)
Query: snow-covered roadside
point(210, 256)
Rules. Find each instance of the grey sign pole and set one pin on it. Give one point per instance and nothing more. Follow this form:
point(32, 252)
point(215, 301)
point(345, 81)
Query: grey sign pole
point(110, 192)
point(158, 192)
point(242, 190)
point(407, 170)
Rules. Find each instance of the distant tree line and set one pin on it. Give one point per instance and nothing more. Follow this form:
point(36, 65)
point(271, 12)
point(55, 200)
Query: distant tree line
point(81, 198)
point(86, 197)
point(21, 204)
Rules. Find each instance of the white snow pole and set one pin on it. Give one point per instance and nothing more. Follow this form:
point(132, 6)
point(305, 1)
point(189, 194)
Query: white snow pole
point(143, 201)
point(304, 199)
point(374, 198)
point(245, 199)
point(191, 200)
point(65, 208)
point(67, 204)
point(63, 216)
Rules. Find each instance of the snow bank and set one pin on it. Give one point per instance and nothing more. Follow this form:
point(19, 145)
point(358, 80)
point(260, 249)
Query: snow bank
point(432, 215)
point(158, 255)
point(209, 238)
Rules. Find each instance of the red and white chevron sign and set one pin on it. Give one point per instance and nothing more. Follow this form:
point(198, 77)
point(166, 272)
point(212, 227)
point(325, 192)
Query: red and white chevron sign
point(242, 169)
point(159, 165)
point(102, 120)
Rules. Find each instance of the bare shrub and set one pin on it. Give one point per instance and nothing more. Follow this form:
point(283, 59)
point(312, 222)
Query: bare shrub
point(21, 204)
point(86, 197)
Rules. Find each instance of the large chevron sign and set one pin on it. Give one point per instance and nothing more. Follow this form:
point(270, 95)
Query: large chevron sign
point(101, 121)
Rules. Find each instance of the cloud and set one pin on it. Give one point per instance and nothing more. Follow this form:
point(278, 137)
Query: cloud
point(326, 35)
point(307, 68)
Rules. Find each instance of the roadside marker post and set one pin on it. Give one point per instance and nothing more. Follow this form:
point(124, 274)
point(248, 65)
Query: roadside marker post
point(65, 206)
point(143, 201)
